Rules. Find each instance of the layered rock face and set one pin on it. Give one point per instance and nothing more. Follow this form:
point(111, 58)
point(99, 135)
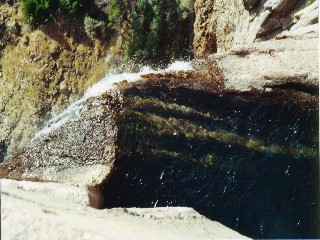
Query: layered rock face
point(269, 44)
point(221, 25)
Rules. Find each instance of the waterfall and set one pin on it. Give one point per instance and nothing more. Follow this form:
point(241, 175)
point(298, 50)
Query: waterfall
point(104, 85)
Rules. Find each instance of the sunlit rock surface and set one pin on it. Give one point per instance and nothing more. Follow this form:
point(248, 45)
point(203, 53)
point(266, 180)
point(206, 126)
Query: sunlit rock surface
point(288, 60)
point(55, 191)
point(35, 215)
point(79, 149)
point(221, 25)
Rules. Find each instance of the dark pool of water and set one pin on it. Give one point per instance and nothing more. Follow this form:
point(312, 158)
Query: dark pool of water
point(266, 194)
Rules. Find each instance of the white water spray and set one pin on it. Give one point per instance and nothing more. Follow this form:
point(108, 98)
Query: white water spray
point(104, 85)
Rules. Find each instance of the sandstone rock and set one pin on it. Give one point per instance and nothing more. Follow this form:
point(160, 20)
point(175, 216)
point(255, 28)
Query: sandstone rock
point(311, 30)
point(11, 22)
point(13, 27)
point(34, 215)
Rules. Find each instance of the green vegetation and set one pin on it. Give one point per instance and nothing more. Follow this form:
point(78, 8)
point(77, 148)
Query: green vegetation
point(71, 6)
point(160, 29)
point(150, 30)
point(39, 11)
point(309, 2)
point(94, 28)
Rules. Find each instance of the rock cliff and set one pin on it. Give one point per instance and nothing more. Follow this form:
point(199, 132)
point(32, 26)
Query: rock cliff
point(221, 25)
point(41, 72)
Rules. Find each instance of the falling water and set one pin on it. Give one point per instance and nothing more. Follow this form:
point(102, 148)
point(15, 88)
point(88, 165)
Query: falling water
point(104, 85)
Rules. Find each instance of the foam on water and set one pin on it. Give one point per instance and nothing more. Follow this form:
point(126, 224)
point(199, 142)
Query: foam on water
point(179, 66)
point(104, 85)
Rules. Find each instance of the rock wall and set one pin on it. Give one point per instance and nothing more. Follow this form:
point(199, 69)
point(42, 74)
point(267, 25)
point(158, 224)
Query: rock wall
point(221, 25)
point(41, 72)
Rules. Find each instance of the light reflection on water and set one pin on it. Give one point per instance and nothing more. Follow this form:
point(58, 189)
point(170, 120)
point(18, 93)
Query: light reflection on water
point(272, 193)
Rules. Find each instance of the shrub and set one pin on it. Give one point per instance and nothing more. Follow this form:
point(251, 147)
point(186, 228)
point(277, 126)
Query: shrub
point(39, 11)
point(155, 30)
point(71, 6)
point(94, 28)
point(113, 12)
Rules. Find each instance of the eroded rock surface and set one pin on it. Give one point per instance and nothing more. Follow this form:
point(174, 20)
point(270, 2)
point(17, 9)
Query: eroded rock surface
point(221, 25)
point(55, 191)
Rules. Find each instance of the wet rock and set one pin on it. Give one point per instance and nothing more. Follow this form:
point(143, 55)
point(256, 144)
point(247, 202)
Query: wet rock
point(80, 152)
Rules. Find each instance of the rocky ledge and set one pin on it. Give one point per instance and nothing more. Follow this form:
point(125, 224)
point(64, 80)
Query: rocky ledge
point(47, 215)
